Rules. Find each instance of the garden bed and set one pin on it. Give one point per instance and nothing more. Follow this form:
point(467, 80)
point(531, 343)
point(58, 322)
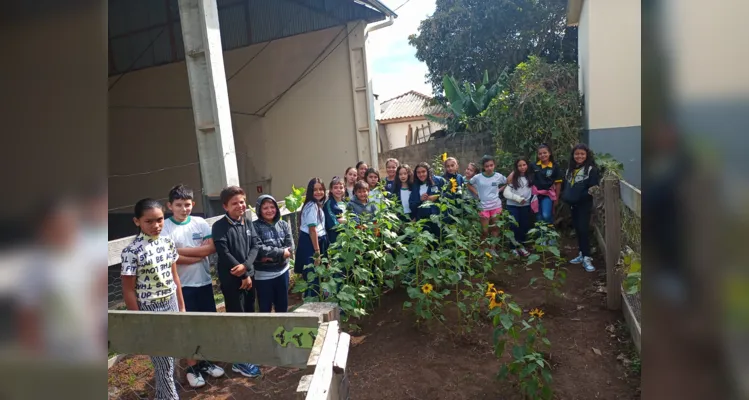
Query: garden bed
point(392, 358)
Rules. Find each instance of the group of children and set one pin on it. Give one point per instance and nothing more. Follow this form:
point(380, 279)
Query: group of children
point(166, 267)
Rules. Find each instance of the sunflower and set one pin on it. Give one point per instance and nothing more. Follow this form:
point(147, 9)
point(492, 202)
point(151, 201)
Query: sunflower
point(444, 157)
point(536, 313)
point(426, 288)
point(487, 254)
point(493, 303)
point(453, 185)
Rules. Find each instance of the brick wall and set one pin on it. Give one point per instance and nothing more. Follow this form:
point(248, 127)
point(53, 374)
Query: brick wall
point(466, 148)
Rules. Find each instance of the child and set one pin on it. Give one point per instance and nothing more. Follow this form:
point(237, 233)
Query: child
point(360, 204)
point(272, 262)
point(426, 187)
point(150, 281)
point(471, 170)
point(486, 187)
point(313, 240)
point(237, 246)
point(350, 176)
point(581, 176)
point(453, 181)
point(361, 170)
point(547, 180)
point(451, 171)
point(192, 236)
point(518, 194)
point(391, 166)
point(402, 189)
point(333, 209)
point(373, 180)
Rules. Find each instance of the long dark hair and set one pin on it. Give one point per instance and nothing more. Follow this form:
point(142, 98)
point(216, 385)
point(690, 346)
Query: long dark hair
point(430, 179)
point(516, 173)
point(546, 146)
point(410, 180)
point(309, 197)
point(590, 160)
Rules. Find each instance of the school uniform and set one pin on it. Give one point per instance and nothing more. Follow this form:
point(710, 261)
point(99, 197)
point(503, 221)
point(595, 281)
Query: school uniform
point(376, 196)
point(271, 268)
point(349, 194)
point(312, 217)
point(418, 212)
point(390, 186)
point(236, 243)
point(487, 187)
point(197, 284)
point(360, 209)
point(518, 205)
point(456, 197)
point(545, 176)
point(403, 197)
point(575, 193)
point(150, 259)
point(333, 210)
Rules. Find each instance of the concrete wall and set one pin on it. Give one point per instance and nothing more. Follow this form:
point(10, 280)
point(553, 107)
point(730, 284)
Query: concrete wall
point(309, 132)
point(609, 58)
point(397, 132)
point(466, 148)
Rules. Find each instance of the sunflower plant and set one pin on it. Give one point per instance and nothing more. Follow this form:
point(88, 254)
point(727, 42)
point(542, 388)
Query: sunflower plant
point(526, 338)
point(546, 251)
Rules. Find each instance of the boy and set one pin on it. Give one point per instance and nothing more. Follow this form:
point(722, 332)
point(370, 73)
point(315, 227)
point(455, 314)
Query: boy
point(237, 246)
point(192, 236)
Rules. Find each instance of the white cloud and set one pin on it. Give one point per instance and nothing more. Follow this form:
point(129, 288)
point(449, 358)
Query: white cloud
point(394, 68)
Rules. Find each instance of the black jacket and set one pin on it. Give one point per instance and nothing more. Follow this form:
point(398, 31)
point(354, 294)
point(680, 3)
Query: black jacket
point(236, 243)
point(274, 238)
point(576, 184)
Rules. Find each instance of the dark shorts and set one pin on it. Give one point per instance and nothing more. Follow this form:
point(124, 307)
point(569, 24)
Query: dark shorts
point(199, 299)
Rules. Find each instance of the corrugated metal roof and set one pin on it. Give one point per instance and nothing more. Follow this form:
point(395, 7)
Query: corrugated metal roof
point(134, 24)
point(408, 105)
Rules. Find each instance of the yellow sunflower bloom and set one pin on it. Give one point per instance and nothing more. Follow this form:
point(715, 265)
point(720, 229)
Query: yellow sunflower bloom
point(453, 185)
point(536, 313)
point(444, 157)
point(488, 255)
point(427, 288)
point(493, 303)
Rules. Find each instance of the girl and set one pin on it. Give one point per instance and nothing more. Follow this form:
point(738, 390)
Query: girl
point(313, 241)
point(486, 187)
point(451, 171)
point(333, 209)
point(547, 180)
point(271, 279)
point(391, 166)
point(350, 176)
point(360, 204)
point(150, 281)
point(453, 181)
point(426, 187)
point(581, 176)
point(402, 189)
point(373, 179)
point(361, 169)
point(471, 170)
point(518, 194)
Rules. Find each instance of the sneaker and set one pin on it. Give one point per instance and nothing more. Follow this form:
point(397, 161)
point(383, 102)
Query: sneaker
point(194, 378)
point(246, 369)
point(588, 264)
point(210, 369)
point(523, 252)
point(578, 259)
point(515, 253)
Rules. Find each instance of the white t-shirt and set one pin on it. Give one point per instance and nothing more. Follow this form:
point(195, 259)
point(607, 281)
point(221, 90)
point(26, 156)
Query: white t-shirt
point(150, 260)
point(523, 190)
point(190, 233)
point(423, 189)
point(375, 196)
point(313, 215)
point(405, 195)
point(488, 188)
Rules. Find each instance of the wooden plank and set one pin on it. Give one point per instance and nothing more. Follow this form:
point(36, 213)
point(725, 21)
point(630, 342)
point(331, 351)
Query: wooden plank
point(634, 326)
point(631, 197)
point(116, 246)
point(599, 238)
point(320, 387)
point(303, 387)
point(241, 337)
point(341, 355)
point(329, 311)
point(314, 354)
point(613, 231)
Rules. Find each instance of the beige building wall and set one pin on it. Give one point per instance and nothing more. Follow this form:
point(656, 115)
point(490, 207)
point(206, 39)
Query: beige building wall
point(309, 132)
point(609, 56)
point(398, 131)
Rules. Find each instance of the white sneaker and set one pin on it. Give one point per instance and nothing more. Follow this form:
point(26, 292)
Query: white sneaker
point(579, 259)
point(194, 378)
point(523, 252)
point(515, 253)
point(210, 369)
point(588, 264)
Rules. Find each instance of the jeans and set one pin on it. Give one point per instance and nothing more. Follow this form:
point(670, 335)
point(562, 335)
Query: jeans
point(522, 215)
point(273, 293)
point(581, 223)
point(545, 210)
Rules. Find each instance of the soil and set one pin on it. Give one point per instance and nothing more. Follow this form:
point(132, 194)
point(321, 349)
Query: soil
point(391, 357)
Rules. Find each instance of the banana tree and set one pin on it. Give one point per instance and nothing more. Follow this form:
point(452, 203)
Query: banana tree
point(466, 102)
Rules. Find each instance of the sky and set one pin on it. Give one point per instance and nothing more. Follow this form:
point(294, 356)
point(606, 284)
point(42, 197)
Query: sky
point(394, 68)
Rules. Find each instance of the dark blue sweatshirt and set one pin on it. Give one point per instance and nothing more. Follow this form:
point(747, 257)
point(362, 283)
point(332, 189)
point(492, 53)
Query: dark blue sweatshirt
point(415, 201)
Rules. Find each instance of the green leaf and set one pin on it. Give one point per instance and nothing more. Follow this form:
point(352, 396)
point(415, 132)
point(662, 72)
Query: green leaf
point(549, 273)
point(532, 281)
point(462, 307)
point(553, 250)
point(518, 352)
point(546, 374)
point(546, 341)
point(515, 309)
point(506, 320)
point(503, 372)
point(407, 304)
